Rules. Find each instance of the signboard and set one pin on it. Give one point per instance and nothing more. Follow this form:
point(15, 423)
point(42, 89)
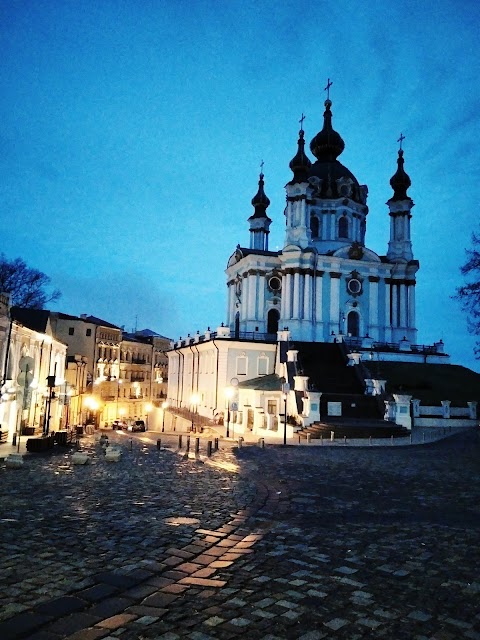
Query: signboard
point(334, 408)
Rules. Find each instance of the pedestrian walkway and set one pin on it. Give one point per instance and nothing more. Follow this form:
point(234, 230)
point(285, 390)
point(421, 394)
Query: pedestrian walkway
point(298, 542)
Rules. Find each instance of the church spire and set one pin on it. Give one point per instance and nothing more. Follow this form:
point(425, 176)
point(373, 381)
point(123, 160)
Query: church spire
point(400, 181)
point(327, 145)
point(259, 221)
point(300, 163)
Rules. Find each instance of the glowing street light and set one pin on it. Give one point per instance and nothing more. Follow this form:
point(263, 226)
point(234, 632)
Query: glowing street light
point(194, 400)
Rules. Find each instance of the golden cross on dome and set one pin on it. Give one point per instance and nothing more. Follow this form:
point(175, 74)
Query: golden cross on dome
point(327, 88)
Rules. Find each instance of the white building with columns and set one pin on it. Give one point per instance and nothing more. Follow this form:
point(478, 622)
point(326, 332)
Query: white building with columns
point(325, 281)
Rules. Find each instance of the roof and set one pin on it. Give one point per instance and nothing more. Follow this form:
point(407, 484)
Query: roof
point(99, 321)
point(430, 383)
point(271, 382)
point(35, 319)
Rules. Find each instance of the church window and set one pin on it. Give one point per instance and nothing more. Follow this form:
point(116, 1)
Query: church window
point(241, 366)
point(343, 227)
point(71, 331)
point(274, 283)
point(314, 226)
point(353, 324)
point(272, 407)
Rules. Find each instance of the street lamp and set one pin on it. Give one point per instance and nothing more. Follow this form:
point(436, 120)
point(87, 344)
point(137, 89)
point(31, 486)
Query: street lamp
point(164, 407)
point(194, 402)
point(228, 395)
point(285, 390)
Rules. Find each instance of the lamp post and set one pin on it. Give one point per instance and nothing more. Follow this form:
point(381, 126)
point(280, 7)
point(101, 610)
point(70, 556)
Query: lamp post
point(285, 390)
point(164, 407)
point(194, 402)
point(228, 396)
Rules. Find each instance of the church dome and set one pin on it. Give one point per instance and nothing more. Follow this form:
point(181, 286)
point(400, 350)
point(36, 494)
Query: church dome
point(300, 163)
point(400, 181)
point(335, 180)
point(260, 200)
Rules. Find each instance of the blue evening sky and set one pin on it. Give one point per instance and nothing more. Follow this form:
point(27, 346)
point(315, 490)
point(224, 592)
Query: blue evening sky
point(132, 132)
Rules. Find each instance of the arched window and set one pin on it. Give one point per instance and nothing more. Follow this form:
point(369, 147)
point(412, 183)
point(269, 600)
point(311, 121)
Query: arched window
point(272, 321)
point(353, 324)
point(314, 226)
point(343, 227)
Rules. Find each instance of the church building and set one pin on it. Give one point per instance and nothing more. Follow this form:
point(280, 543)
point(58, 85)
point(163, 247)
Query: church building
point(313, 330)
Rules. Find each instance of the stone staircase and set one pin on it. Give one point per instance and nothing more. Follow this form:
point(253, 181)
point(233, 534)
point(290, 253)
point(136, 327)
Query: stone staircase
point(353, 428)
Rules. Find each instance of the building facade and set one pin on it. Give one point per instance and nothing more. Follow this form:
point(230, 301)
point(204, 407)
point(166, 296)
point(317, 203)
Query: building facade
point(310, 327)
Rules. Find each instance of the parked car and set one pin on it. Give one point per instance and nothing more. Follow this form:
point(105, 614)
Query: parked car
point(137, 425)
point(119, 424)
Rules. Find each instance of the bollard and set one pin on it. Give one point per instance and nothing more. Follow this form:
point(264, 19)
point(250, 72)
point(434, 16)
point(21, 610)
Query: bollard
point(410, 438)
point(159, 444)
point(332, 435)
point(298, 439)
point(188, 444)
point(344, 439)
point(209, 448)
point(391, 439)
point(240, 442)
point(216, 444)
point(131, 444)
point(423, 436)
point(180, 441)
point(369, 439)
point(197, 445)
point(309, 438)
point(261, 443)
point(321, 439)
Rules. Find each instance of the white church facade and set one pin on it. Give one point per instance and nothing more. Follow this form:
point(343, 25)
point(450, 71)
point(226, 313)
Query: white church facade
point(311, 328)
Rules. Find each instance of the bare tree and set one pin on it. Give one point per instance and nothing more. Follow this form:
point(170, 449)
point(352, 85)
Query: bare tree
point(469, 293)
point(27, 287)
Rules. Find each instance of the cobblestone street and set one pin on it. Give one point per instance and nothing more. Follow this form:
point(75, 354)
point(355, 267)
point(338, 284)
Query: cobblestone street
point(296, 542)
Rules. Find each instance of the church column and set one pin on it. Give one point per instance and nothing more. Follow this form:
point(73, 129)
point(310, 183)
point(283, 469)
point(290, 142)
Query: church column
point(394, 289)
point(403, 304)
point(244, 309)
point(411, 305)
point(296, 295)
point(251, 295)
point(334, 301)
point(373, 310)
point(288, 297)
point(388, 310)
point(260, 285)
point(318, 297)
point(307, 297)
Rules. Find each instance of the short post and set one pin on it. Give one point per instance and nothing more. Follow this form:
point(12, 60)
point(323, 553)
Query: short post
point(309, 438)
point(209, 448)
point(261, 443)
point(131, 444)
point(423, 436)
point(410, 438)
point(391, 439)
point(321, 439)
point(159, 444)
point(240, 442)
point(188, 444)
point(180, 441)
point(344, 439)
point(370, 440)
point(332, 435)
point(197, 445)
point(215, 444)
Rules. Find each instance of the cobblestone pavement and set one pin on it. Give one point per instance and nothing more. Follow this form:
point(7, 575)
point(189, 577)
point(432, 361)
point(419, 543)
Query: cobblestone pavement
point(296, 542)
